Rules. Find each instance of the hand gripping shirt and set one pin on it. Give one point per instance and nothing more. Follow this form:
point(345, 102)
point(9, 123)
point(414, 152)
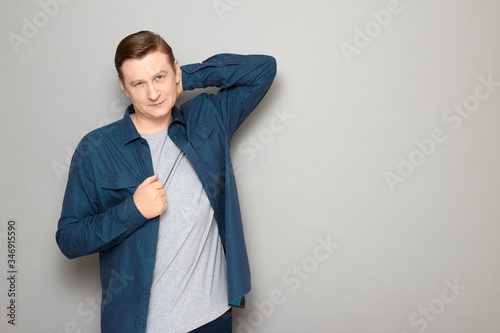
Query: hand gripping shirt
point(99, 214)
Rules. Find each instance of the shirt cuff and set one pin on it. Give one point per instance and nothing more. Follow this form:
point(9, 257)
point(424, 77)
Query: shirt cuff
point(128, 213)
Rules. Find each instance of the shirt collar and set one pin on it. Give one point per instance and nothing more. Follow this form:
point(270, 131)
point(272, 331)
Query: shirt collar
point(129, 132)
point(177, 115)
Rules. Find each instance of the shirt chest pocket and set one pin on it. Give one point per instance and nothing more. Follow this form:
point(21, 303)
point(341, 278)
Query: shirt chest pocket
point(116, 188)
point(209, 143)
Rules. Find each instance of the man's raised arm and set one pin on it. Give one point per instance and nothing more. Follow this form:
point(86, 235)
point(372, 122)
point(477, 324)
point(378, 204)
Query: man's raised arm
point(243, 80)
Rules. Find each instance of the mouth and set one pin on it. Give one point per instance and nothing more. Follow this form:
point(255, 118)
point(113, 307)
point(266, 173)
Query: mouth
point(156, 105)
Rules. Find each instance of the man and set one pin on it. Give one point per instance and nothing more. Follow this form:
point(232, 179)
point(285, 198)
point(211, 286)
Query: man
point(155, 195)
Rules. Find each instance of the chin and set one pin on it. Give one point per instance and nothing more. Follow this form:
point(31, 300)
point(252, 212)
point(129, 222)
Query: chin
point(162, 113)
point(157, 111)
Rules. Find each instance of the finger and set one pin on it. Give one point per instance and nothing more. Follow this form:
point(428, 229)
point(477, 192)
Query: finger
point(150, 180)
point(157, 185)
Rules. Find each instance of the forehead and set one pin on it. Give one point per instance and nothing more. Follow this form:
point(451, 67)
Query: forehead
point(151, 64)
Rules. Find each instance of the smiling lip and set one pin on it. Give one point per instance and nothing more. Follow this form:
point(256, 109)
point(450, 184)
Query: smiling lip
point(157, 104)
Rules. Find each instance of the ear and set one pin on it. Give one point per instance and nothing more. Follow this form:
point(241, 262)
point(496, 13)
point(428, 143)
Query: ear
point(178, 72)
point(178, 78)
point(122, 85)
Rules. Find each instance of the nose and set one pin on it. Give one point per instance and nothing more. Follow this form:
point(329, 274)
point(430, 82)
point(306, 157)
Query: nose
point(153, 92)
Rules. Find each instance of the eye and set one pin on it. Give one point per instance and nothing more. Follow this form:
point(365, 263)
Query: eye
point(159, 77)
point(138, 84)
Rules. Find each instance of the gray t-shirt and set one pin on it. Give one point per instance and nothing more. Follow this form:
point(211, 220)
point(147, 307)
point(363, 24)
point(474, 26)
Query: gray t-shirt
point(189, 280)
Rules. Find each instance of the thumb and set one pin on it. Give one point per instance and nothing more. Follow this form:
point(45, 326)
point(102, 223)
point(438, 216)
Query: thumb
point(149, 180)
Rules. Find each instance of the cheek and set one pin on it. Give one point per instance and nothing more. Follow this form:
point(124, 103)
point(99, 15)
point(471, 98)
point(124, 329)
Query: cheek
point(172, 87)
point(166, 91)
point(137, 96)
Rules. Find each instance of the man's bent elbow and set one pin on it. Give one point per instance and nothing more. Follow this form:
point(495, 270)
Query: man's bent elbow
point(67, 250)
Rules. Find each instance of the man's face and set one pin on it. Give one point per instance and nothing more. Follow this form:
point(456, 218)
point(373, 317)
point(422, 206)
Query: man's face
point(152, 84)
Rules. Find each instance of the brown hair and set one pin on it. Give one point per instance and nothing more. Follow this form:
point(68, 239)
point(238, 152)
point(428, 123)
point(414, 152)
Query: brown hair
point(138, 45)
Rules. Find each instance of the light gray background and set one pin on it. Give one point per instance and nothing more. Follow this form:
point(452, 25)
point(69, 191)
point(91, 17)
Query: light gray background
point(311, 160)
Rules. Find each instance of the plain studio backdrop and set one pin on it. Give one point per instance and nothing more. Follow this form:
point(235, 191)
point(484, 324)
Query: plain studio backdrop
point(368, 176)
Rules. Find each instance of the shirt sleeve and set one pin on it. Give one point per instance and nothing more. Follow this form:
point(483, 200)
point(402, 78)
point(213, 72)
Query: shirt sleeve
point(82, 228)
point(243, 81)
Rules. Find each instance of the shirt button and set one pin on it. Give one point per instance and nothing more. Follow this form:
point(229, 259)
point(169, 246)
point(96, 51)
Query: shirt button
point(145, 291)
point(141, 326)
point(146, 155)
point(143, 141)
point(151, 256)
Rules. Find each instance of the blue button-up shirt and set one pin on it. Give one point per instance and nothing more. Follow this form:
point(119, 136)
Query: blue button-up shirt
point(99, 213)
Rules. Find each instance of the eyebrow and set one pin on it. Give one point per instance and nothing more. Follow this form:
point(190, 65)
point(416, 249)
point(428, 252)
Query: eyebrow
point(161, 72)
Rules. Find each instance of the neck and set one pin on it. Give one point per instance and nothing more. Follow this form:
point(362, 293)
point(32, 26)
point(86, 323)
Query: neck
point(150, 126)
